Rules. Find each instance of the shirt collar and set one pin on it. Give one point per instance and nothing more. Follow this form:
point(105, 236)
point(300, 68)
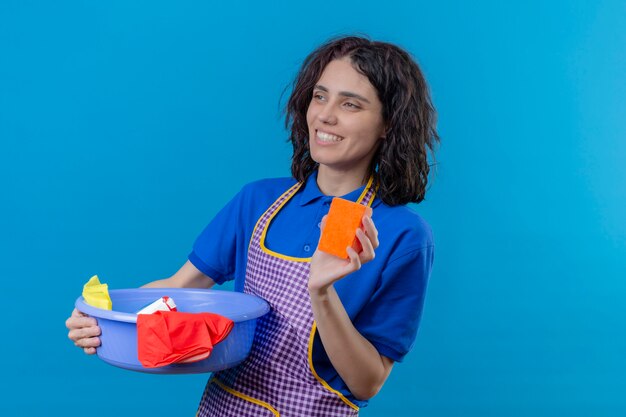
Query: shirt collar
point(310, 192)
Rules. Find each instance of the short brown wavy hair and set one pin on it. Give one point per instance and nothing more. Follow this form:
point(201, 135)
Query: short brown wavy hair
point(400, 166)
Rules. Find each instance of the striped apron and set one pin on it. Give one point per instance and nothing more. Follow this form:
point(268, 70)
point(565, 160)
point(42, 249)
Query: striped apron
point(278, 377)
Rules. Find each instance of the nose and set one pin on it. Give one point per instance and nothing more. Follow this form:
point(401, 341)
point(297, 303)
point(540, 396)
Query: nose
point(327, 115)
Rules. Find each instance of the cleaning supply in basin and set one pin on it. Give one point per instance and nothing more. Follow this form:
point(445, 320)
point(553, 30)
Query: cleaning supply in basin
point(97, 294)
point(167, 337)
point(162, 304)
point(344, 218)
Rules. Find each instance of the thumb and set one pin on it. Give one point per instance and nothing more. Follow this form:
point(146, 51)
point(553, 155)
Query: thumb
point(323, 222)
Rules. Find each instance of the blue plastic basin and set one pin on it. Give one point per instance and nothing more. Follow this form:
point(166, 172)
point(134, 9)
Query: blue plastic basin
point(119, 326)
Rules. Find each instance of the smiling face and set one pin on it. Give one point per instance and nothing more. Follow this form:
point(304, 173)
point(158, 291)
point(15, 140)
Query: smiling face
point(345, 120)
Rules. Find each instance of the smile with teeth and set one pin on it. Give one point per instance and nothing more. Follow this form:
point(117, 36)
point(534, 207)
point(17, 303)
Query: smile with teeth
point(327, 137)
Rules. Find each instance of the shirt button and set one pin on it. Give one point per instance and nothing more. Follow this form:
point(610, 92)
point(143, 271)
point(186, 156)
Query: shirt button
point(307, 248)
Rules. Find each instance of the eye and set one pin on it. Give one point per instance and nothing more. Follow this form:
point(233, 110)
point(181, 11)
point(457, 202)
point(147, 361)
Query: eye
point(318, 96)
point(351, 105)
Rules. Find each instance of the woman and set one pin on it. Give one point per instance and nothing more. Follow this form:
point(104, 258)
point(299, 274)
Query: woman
point(362, 123)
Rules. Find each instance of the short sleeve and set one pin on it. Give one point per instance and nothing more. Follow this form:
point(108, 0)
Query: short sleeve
point(391, 317)
point(214, 251)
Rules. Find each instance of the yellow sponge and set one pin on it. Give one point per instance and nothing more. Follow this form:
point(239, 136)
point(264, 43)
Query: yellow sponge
point(97, 294)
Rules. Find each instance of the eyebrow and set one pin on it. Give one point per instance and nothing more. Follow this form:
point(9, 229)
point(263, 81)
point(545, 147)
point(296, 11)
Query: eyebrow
point(343, 93)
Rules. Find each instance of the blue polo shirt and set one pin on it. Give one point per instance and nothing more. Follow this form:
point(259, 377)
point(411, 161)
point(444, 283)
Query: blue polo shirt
point(384, 298)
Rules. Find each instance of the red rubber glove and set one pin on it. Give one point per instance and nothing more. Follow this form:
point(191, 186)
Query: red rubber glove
point(167, 337)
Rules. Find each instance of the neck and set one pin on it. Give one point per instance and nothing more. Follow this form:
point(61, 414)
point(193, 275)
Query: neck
point(336, 183)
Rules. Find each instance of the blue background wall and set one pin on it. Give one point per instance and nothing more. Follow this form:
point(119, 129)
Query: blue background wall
point(125, 126)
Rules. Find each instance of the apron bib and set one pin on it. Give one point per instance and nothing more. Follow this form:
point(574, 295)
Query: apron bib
point(277, 378)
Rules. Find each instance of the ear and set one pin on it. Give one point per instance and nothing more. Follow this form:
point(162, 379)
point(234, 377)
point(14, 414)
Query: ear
point(385, 132)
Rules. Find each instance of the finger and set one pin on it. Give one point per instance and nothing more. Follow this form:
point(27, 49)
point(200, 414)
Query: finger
point(355, 261)
point(370, 230)
point(90, 350)
point(323, 222)
point(79, 322)
point(84, 333)
point(92, 342)
point(367, 252)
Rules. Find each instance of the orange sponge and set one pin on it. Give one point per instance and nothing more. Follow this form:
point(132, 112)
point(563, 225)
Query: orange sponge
point(344, 218)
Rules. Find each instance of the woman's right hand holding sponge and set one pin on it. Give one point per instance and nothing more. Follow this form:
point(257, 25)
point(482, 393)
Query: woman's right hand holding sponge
point(348, 240)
